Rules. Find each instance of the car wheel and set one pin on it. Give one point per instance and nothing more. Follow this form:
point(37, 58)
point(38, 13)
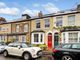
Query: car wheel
point(26, 56)
point(5, 53)
point(67, 57)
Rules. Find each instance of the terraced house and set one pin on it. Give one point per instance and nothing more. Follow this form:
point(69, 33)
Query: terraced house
point(50, 29)
point(53, 29)
point(20, 29)
point(5, 29)
point(41, 30)
point(16, 31)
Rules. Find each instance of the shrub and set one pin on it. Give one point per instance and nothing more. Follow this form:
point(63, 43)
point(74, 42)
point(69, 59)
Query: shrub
point(42, 46)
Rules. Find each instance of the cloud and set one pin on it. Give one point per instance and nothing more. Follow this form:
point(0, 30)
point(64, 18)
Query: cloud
point(31, 12)
point(51, 8)
point(4, 9)
point(9, 11)
point(36, 5)
point(2, 4)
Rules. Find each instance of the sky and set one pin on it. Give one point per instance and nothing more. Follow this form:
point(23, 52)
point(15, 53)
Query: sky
point(13, 9)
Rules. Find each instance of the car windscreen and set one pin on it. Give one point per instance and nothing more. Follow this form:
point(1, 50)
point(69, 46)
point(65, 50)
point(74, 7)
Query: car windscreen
point(24, 45)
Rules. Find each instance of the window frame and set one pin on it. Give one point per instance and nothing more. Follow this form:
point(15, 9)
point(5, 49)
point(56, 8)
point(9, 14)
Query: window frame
point(71, 22)
point(25, 28)
point(17, 27)
point(38, 24)
point(39, 42)
point(59, 21)
point(73, 38)
point(47, 22)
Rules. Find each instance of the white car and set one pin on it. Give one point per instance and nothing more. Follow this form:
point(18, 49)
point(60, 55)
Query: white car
point(2, 47)
point(22, 50)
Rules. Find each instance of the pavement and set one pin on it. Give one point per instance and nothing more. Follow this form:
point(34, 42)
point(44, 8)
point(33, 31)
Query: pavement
point(47, 53)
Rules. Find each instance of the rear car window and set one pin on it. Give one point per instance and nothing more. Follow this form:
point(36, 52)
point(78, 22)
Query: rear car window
point(76, 46)
point(66, 46)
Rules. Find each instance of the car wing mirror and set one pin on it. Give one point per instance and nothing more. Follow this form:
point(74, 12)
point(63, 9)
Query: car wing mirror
point(19, 47)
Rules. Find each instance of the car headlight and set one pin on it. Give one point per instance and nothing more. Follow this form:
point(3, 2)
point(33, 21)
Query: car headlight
point(2, 48)
point(39, 53)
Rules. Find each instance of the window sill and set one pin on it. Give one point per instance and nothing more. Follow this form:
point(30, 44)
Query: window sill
point(37, 42)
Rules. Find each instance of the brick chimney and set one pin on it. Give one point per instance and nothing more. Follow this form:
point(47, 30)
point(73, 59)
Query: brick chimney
point(2, 19)
point(25, 16)
point(78, 7)
point(40, 14)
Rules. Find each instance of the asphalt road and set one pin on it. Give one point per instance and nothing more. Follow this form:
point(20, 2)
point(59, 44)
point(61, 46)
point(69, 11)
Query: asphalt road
point(46, 57)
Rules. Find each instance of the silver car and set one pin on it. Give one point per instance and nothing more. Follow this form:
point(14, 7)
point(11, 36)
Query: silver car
point(2, 47)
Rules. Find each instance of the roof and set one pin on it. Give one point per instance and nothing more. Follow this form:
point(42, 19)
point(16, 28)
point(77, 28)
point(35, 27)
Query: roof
point(38, 31)
point(59, 13)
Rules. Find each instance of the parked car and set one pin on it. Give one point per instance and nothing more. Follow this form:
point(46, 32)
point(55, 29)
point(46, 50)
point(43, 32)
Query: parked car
point(2, 47)
point(69, 51)
point(23, 50)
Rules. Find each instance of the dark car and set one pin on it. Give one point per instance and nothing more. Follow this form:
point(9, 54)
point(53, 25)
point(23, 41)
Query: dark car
point(69, 51)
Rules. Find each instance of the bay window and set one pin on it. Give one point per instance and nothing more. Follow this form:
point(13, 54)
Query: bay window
point(73, 37)
point(37, 38)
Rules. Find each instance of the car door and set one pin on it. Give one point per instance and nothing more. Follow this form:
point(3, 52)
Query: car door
point(76, 49)
point(10, 49)
point(17, 50)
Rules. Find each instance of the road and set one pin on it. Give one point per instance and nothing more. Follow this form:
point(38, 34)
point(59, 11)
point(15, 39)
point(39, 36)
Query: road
point(46, 57)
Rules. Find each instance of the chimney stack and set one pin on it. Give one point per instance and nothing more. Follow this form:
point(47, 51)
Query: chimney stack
point(25, 16)
point(40, 14)
point(78, 7)
point(2, 19)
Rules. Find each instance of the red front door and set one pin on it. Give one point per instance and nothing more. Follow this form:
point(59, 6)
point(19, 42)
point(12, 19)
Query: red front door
point(50, 41)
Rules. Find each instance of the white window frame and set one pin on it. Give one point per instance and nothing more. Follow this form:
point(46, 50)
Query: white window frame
point(38, 21)
point(59, 19)
point(71, 22)
point(26, 28)
point(73, 37)
point(32, 41)
point(46, 23)
point(17, 28)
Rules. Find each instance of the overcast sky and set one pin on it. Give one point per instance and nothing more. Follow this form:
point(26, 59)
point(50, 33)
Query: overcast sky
point(13, 9)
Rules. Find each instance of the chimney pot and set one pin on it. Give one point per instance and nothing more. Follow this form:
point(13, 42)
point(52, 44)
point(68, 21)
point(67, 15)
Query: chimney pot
point(40, 14)
point(78, 7)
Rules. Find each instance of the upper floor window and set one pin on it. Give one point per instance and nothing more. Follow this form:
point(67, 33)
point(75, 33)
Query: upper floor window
point(47, 22)
point(17, 28)
point(59, 21)
point(26, 28)
point(71, 20)
point(37, 23)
